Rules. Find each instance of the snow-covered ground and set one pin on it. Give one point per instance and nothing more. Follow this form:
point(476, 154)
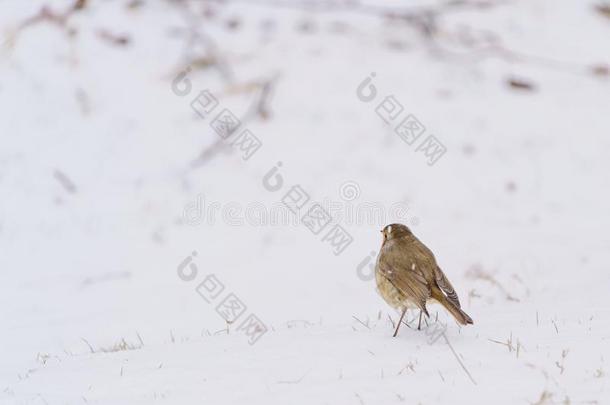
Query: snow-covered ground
point(109, 181)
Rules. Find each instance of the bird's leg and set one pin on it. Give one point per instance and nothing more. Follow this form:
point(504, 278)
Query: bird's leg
point(400, 321)
point(419, 323)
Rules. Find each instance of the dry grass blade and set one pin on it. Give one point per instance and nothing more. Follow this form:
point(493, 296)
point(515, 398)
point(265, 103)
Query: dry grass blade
point(520, 84)
point(65, 181)
point(362, 323)
point(120, 346)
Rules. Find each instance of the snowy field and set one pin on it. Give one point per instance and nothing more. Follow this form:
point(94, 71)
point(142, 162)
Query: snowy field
point(150, 255)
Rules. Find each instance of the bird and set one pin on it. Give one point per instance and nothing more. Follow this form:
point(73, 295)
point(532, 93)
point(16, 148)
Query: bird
point(408, 276)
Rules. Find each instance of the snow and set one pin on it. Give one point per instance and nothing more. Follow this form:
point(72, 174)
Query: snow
point(99, 161)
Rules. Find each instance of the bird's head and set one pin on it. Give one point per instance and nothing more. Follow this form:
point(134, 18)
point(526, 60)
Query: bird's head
point(394, 231)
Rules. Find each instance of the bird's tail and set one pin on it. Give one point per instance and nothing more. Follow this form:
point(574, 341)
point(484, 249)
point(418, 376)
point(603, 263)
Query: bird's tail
point(459, 315)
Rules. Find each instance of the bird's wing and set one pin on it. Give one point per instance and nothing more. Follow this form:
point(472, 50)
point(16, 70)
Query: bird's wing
point(404, 272)
point(446, 287)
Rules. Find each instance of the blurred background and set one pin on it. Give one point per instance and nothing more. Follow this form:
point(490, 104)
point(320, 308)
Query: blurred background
point(192, 193)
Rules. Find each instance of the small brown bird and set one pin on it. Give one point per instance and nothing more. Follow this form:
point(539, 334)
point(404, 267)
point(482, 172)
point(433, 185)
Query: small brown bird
point(407, 276)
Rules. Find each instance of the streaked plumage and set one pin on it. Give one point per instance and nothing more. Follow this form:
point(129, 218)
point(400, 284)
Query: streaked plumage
point(407, 275)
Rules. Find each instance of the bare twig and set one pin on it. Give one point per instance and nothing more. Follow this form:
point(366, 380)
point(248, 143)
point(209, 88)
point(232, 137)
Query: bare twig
point(114, 39)
point(65, 181)
point(59, 19)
